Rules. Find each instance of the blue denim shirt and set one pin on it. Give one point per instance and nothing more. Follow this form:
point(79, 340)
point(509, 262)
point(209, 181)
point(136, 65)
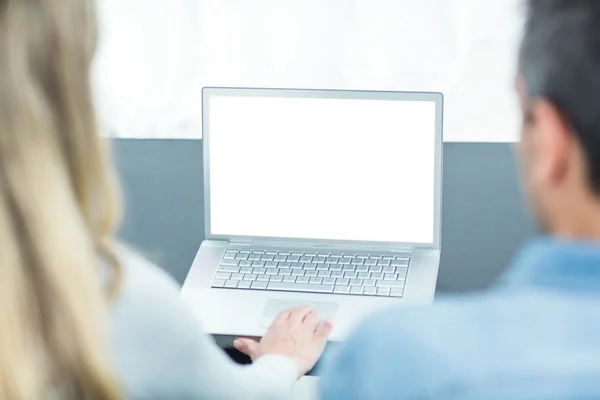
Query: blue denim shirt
point(535, 335)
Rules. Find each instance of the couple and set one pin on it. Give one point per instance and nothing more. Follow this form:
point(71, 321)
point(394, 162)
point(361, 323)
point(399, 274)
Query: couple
point(83, 318)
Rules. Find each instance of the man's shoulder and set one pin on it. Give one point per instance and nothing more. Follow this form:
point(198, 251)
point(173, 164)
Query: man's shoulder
point(411, 349)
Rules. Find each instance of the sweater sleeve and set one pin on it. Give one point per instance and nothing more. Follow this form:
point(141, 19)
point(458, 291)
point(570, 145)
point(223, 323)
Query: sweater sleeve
point(161, 352)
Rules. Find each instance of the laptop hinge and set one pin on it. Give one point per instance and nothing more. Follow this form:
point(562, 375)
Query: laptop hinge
point(238, 243)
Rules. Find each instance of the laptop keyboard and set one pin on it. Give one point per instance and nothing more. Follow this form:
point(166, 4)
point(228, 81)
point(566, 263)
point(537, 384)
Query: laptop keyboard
point(297, 271)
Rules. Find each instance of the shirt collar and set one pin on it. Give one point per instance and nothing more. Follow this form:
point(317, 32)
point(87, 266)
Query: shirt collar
point(560, 264)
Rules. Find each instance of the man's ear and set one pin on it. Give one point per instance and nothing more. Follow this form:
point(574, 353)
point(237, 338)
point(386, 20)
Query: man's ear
point(553, 143)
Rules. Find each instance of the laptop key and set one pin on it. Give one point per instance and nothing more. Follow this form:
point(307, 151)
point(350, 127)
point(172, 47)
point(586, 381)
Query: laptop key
point(244, 285)
point(342, 281)
point(302, 279)
point(376, 269)
point(310, 266)
point(351, 274)
point(383, 291)
point(356, 282)
point(285, 272)
point(316, 279)
point(228, 268)
point(310, 273)
point(289, 279)
point(259, 285)
point(364, 275)
point(246, 270)
point(369, 282)
point(230, 262)
point(400, 263)
point(245, 263)
point(324, 274)
point(259, 271)
point(337, 274)
point(222, 275)
point(370, 291)
point(300, 287)
point(389, 270)
point(397, 292)
point(231, 284)
point(254, 257)
point(335, 267)
point(267, 257)
point(402, 271)
point(237, 277)
point(370, 262)
point(298, 272)
point(341, 289)
point(383, 262)
point(389, 277)
point(356, 290)
point(390, 283)
point(328, 281)
point(280, 257)
point(218, 283)
point(272, 271)
point(263, 278)
point(319, 260)
point(258, 264)
point(230, 255)
point(276, 278)
point(250, 277)
point(293, 258)
point(376, 275)
point(306, 259)
point(271, 264)
point(362, 268)
point(322, 267)
point(332, 260)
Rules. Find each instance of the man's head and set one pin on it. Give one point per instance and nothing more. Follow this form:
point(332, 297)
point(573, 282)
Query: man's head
point(559, 88)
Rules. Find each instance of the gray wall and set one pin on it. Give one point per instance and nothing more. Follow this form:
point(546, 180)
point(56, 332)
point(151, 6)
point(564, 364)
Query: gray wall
point(484, 221)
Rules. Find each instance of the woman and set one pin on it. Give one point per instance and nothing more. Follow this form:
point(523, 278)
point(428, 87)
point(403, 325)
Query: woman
point(80, 317)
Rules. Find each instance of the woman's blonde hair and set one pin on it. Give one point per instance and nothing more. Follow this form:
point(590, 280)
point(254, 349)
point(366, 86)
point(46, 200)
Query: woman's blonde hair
point(58, 207)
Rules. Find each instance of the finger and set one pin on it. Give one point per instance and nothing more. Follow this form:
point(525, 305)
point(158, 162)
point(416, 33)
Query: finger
point(247, 346)
point(311, 321)
point(297, 315)
point(282, 317)
point(324, 330)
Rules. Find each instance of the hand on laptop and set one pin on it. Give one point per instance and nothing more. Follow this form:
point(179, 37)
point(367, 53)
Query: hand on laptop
point(297, 333)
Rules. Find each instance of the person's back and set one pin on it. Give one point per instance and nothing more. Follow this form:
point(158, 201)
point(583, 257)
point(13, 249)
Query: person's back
point(80, 317)
point(534, 334)
point(530, 337)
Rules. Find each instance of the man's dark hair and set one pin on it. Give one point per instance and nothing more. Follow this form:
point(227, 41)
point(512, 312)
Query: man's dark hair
point(560, 61)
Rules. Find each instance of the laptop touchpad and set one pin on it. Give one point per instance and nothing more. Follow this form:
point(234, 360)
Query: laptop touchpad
point(275, 306)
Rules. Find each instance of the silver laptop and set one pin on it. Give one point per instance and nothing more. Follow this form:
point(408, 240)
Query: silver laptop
point(320, 197)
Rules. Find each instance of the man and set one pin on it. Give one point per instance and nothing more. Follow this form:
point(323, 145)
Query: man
point(536, 334)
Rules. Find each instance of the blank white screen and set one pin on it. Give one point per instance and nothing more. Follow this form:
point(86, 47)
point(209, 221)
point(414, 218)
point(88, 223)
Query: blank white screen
point(342, 169)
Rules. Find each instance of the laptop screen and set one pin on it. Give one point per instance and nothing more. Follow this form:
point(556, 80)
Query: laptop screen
point(288, 166)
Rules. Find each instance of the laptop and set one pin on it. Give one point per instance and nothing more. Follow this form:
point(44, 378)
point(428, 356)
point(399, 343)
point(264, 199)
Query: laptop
point(330, 198)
